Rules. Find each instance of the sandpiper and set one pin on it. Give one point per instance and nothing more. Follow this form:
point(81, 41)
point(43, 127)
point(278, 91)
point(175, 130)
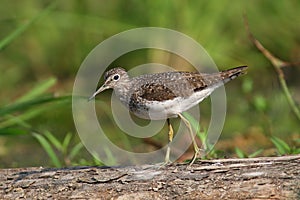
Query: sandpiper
point(165, 95)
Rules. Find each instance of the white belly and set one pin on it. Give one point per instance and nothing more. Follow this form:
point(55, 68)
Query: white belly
point(157, 110)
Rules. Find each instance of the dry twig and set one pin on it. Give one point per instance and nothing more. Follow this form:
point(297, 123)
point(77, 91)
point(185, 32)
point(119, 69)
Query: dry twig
point(278, 64)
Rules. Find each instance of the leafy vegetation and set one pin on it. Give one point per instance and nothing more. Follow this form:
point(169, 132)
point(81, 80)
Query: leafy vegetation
point(42, 45)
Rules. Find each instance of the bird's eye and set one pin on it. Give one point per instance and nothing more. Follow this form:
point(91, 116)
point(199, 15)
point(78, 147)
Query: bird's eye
point(116, 77)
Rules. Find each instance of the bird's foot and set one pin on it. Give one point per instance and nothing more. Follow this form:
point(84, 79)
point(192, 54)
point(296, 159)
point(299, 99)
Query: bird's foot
point(196, 154)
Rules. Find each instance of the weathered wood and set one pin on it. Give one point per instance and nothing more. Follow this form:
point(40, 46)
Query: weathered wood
point(258, 178)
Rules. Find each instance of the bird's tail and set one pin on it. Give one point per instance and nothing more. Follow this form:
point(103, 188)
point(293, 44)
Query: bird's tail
point(230, 74)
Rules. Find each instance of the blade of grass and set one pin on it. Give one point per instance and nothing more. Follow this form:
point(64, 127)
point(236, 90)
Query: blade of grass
point(66, 143)
point(12, 131)
point(240, 153)
point(96, 159)
point(110, 156)
point(297, 151)
point(38, 90)
point(25, 105)
point(49, 150)
point(282, 147)
point(8, 39)
point(54, 141)
point(75, 150)
point(256, 153)
point(21, 119)
point(10, 120)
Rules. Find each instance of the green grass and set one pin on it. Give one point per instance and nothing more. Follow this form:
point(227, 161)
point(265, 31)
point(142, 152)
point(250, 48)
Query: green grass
point(43, 44)
point(56, 149)
point(283, 148)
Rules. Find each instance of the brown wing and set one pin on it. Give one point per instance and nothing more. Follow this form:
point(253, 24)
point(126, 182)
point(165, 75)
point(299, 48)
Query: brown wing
point(166, 86)
point(178, 84)
point(200, 81)
point(155, 92)
point(149, 92)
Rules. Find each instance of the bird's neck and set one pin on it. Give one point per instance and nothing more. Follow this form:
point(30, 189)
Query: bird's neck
point(123, 90)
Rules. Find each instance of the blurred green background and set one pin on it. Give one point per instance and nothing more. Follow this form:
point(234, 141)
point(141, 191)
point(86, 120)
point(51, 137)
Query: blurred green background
point(43, 44)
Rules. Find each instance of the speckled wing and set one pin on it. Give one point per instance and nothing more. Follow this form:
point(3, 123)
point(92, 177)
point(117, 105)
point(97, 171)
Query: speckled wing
point(162, 86)
point(200, 81)
point(169, 85)
point(156, 92)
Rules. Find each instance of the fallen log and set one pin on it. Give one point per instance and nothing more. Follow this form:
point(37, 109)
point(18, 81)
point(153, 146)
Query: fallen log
point(255, 178)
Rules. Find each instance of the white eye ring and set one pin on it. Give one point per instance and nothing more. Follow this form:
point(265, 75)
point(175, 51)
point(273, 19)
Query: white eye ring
point(116, 77)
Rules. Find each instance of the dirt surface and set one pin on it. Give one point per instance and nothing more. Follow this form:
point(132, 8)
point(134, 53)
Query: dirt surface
point(259, 178)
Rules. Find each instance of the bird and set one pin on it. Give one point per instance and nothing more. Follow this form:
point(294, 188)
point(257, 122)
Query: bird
point(165, 95)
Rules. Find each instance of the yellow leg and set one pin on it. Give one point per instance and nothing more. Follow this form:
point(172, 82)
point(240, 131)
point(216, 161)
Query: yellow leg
point(170, 137)
point(196, 148)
